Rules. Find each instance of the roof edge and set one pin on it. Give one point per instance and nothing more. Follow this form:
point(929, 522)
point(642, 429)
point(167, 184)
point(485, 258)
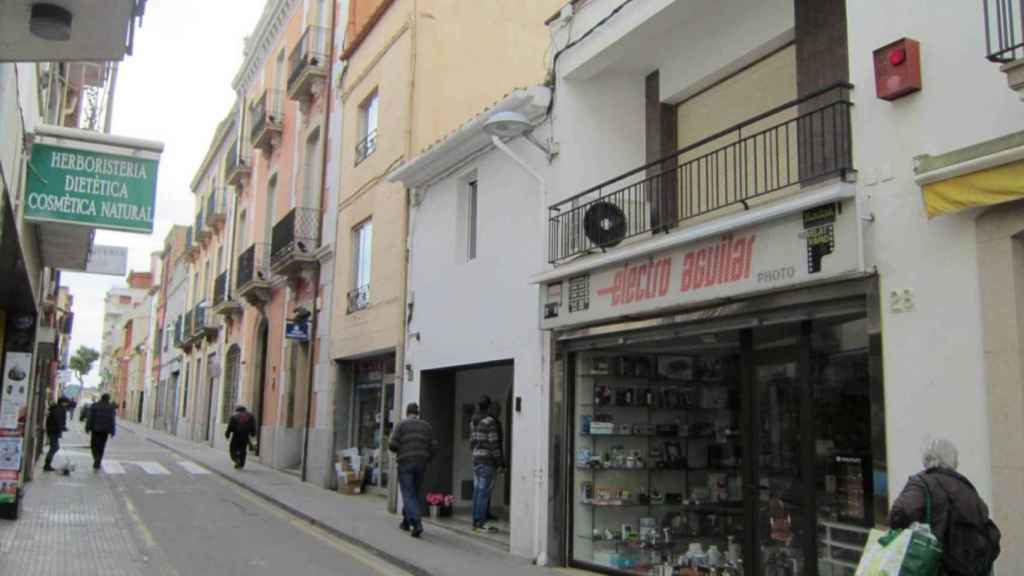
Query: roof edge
point(469, 139)
point(371, 24)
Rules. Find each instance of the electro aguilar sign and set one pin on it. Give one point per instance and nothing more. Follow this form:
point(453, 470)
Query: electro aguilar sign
point(91, 188)
point(815, 244)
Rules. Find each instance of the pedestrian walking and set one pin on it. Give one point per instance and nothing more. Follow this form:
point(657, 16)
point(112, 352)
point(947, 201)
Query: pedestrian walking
point(83, 413)
point(960, 518)
point(56, 425)
point(101, 424)
point(488, 457)
point(241, 428)
point(413, 444)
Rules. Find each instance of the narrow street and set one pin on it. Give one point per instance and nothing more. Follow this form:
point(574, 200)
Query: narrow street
point(152, 512)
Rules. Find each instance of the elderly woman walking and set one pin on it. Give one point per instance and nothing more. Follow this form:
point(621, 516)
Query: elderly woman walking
point(959, 517)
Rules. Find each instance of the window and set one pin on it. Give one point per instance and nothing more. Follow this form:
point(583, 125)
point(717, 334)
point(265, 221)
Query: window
point(362, 237)
point(471, 220)
point(243, 232)
point(311, 172)
point(368, 111)
point(268, 221)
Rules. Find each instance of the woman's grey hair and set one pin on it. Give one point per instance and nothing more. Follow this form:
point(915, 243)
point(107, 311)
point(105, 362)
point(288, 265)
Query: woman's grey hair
point(939, 453)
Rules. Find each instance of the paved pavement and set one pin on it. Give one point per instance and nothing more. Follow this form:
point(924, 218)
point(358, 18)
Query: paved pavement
point(360, 520)
point(153, 511)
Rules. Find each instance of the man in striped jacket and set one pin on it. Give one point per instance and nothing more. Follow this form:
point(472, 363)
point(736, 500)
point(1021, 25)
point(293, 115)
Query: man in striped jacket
point(488, 457)
point(413, 443)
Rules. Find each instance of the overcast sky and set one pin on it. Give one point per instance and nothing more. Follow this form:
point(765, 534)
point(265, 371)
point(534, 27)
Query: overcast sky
point(175, 89)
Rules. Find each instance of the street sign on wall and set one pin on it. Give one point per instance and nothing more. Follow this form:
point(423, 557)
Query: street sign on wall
point(91, 188)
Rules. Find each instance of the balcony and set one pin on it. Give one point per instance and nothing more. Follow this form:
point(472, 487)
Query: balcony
point(186, 332)
point(252, 280)
point(293, 242)
point(238, 166)
point(1004, 36)
point(308, 63)
point(192, 245)
point(216, 209)
point(366, 146)
point(203, 324)
point(223, 301)
point(267, 116)
point(776, 153)
point(201, 232)
point(359, 299)
point(178, 332)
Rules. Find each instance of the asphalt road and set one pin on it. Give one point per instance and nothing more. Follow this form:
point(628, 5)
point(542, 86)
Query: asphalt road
point(151, 512)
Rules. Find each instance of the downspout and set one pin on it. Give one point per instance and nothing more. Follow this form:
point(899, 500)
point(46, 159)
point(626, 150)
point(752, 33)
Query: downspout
point(326, 132)
point(541, 558)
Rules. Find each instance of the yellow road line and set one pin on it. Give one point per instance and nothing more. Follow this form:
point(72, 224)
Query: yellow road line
point(147, 536)
point(370, 560)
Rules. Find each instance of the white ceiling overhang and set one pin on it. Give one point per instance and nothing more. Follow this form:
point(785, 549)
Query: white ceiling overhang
point(101, 30)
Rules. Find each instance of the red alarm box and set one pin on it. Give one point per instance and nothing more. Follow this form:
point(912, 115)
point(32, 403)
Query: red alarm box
point(898, 69)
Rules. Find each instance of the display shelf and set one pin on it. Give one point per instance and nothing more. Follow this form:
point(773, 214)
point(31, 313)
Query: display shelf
point(707, 509)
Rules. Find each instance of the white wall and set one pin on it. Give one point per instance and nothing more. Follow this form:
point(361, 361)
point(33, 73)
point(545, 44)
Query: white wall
point(485, 309)
point(934, 374)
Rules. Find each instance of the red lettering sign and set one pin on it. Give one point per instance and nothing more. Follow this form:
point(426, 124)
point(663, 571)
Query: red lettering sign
point(640, 282)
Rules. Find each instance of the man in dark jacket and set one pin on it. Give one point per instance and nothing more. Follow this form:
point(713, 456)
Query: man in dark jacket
point(413, 444)
point(241, 427)
point(56, 425)
point(101, 423)
point(959, 517)
point(488, 457)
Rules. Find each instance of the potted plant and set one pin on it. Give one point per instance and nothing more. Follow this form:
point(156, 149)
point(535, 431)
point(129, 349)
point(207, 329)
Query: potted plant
point(441, 505)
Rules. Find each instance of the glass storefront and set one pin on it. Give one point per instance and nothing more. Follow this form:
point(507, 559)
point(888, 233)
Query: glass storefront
point(374, 419)
point(750, 451)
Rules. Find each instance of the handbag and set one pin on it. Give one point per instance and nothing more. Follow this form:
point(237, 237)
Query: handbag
point(913, 551)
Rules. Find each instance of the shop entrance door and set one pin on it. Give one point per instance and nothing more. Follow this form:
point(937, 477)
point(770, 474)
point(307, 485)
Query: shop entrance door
point(777, 506)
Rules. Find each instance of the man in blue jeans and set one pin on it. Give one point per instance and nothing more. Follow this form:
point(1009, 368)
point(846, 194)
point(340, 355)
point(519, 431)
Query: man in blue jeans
point(488, 457)
point(413, 443)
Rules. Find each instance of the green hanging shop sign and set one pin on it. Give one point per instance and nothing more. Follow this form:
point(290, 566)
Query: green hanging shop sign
point(90, 188)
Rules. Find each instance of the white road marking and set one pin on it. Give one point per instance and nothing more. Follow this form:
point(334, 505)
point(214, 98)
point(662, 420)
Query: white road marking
point(152, 468)
point(192, 467)
point(113, 467)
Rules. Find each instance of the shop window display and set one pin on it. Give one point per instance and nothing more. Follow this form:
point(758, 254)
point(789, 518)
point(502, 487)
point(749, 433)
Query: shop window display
point(658, 461)
point(758, 452)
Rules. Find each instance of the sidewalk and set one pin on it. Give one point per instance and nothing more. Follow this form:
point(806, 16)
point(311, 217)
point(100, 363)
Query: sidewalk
point(362, 520)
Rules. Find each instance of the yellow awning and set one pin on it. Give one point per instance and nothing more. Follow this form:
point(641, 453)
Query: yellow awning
point(983, 188)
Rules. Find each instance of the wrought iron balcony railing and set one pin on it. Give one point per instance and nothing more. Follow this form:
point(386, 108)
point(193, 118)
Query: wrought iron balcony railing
point(178, 332)
point(253, 266)
point(797, 143)
point(239, 164)
point(359, 298)
point(187, 328)
point(309, 53)
point(297, 233)
point(1004, 29)
point(220, 288)
point(266, 113)
point(366, 146)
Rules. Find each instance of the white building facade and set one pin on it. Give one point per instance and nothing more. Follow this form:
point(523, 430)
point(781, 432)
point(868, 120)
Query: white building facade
point(475, 236)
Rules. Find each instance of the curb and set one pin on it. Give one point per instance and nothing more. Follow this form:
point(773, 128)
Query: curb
point(383, 555)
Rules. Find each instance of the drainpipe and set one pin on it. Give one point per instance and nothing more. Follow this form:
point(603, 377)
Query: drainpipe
point(325, 133)
point(541, 558)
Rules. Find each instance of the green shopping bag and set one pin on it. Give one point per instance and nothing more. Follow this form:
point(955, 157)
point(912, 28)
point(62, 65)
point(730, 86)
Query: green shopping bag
point(914, 551)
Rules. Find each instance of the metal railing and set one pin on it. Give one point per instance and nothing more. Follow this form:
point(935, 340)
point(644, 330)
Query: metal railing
point(359, 298)
point(215, 203)
point(1004, 29)
point(201, 319)
point(797, 143)
point(220, 288)
point(297, 231)
point(266, 112)
point(366, 146)
point(177, 332)
point(309, 52)
point(253, 265)
point(236, 160)
point(187, 327)
point(199, 221)
point(188, 238)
